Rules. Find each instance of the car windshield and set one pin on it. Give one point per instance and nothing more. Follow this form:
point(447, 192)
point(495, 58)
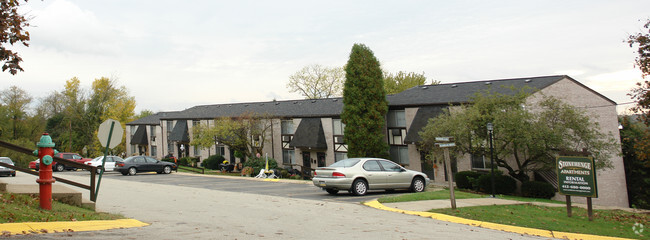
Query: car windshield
point(6, 160)
point(345, 163)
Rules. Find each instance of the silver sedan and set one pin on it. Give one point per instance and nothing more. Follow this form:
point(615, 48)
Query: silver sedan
point(358, 175)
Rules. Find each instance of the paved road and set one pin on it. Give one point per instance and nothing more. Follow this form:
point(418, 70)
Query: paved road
point(181, 212)
point(281, 189)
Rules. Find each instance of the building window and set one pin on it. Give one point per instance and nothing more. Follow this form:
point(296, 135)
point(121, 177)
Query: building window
point(479, 161)
point(396, 118)
point(133, 149)
point(154, 151)
point(132, 131)
point(152, 133)
point(287, 127)
point(197, 151)
point(396, 134)
point(340, 148)
point(288, 157)
point(170, 126)
point(287, 135)
point(221, 150)
point(399, 154)
point(170, 147)
point(338, 156)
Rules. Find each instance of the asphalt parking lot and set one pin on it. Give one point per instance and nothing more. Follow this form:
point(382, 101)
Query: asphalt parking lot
point(295, 189)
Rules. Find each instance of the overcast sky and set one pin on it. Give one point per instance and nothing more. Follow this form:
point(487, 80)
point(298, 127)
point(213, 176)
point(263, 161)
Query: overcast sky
point(173, 55)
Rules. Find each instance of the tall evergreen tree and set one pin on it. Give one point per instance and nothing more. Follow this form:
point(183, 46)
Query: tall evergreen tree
point(364, 105)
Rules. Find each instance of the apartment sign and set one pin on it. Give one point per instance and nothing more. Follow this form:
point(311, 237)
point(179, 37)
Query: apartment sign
point(576, 176)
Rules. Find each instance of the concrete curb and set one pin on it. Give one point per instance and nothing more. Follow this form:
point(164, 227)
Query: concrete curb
point(494, 226)
point(67, 226)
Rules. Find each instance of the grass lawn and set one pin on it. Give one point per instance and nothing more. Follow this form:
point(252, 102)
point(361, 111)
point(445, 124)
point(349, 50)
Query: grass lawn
point(428, 195)
point(613, 223)
point(26, 208)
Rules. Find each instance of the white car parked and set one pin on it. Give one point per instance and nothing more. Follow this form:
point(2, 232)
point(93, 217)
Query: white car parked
point(108, 166)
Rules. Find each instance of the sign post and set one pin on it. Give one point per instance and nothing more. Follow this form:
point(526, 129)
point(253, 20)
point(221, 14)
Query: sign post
point(447, 143)
point(110, 135)
point(577, 177)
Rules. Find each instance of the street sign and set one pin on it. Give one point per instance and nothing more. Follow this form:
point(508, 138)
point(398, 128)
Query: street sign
point(444, 139)
point(105, 131)
point(446, 145)
point(576, 176)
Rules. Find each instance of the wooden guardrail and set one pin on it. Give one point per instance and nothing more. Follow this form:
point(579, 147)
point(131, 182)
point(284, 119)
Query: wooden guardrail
point(93, 170)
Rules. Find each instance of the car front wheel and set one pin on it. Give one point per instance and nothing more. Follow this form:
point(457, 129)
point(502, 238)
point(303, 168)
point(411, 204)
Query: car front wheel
point(60, 167)
point(132, 171)
point(167, 170)
point(359, 187)
point(417, 185)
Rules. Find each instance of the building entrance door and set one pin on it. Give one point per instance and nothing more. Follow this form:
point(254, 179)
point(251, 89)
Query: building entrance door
point(306, 160)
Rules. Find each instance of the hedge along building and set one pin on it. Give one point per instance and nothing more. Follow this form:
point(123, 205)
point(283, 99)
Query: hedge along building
point(309, 133)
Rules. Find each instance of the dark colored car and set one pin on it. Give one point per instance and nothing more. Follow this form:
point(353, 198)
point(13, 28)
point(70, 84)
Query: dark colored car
point(136, 164)
point(59, 167)
point(7, 171)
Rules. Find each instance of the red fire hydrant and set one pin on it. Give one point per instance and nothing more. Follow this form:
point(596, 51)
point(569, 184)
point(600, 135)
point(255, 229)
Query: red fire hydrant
point(45, 152)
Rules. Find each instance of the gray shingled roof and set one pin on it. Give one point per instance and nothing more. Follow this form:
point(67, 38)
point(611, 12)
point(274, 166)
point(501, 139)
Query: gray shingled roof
point(420, 120)
point(295, 108)
point(180, 133)
point(427, 95)
point(309, 134)
point(153, 119)
point(455, 93)
point(140, 136)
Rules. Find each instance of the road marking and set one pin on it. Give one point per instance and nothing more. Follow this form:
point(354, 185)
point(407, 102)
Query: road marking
point(69, 226)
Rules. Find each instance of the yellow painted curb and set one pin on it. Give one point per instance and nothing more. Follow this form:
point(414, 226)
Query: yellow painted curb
point(494, 226)
point(271, 180)
point(68, 226)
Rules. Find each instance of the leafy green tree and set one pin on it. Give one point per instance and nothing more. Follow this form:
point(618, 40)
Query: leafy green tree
point(364, 105)
point(12, 31)
point(203, 136)
point(316, 82)
point(525, 138)
point(642, 92)
point(246, 133)
point(396, 83)
point(16, 101)
point(108, 101)
point(636, 170)
point(69, 128)
point(143, 113)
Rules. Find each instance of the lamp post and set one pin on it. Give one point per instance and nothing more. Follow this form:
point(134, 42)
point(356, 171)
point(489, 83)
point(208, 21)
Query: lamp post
point(490, 129)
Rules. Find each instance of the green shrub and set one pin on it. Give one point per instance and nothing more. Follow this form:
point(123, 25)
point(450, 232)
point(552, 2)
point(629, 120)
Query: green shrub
point(296, 177)
point(284, 173)
point(184, 161)
point(212, 162)
point(464, 179)
point(171, 160)
point(537, 189)
point(247, 171)
point(502, 184)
